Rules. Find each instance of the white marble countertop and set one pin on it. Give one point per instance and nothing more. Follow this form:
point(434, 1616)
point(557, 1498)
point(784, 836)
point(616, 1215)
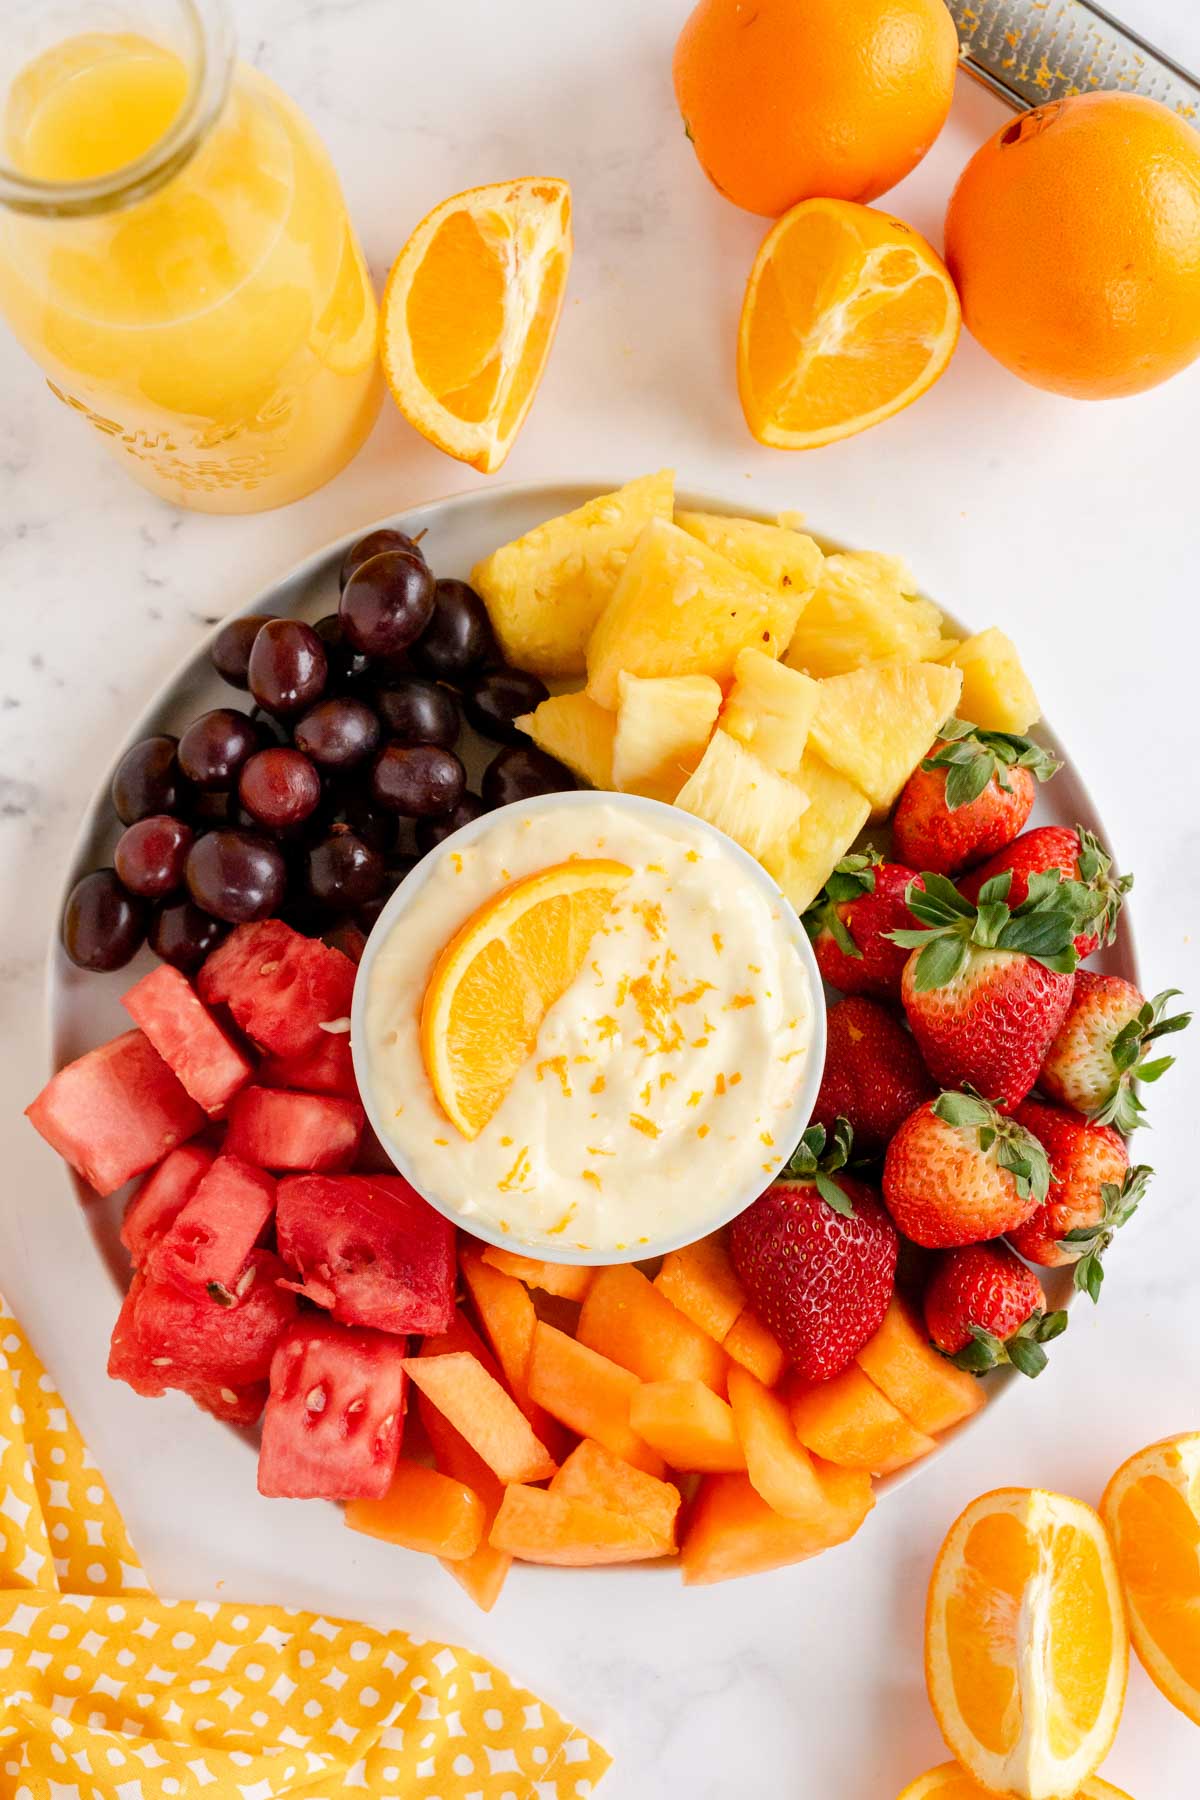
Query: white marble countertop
point(1074, 526)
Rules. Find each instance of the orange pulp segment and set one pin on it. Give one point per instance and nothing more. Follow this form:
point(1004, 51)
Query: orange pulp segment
point(469, 314)
point(1152, 1510)
point(498, 977)
point(949, 1782)
point(849, 315)
point(1026, 1653)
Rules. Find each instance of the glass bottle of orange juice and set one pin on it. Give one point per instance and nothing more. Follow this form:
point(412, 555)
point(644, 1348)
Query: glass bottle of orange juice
point(175, 252)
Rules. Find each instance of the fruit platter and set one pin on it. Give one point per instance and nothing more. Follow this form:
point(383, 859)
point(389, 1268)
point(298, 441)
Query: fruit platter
point(383, 829)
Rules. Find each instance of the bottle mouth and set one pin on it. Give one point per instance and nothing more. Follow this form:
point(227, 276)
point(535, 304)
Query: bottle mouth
point(210, 58)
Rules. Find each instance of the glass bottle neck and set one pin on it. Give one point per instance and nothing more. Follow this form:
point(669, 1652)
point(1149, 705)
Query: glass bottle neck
point(208, 52)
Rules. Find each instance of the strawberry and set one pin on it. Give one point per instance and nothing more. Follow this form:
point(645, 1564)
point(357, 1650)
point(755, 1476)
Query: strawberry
point(1099, 1051)
point(1093, 1192)
point(874, 1075)
point(988, 986)
point(817, 1256)
point(1078, 856)
point(958, 1172)
point(850, 920)
point(984, 1307)
point(969, 797)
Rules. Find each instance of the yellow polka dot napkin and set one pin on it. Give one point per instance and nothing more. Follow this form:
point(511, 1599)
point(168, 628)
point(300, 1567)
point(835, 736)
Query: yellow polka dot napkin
point(107, 1693)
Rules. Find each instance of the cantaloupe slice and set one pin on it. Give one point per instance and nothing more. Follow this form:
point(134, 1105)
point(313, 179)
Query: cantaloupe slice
point(749, 1343)
point(564, 1279)
point(461, 1335)
point(594, 1474)
point(849, 1422)
point(423, 1510)
point(689, 1426)
point(540, 1527)
point(482, 1574)
point(590, 1393)
point(488, 1417)
point(625, 1318)
point(507, 1315)
point(779, 1467)
point(931, 1393)
point(701, 1283)
point(732, 1531)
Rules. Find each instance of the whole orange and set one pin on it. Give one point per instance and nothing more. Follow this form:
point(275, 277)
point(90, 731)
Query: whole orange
point(786, 100)
point(1074, 239)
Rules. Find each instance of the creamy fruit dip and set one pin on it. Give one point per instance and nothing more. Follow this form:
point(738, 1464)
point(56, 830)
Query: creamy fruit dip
point(666, 1079)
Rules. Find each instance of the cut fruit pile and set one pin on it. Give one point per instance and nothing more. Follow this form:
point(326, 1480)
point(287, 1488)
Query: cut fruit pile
point(782, 695)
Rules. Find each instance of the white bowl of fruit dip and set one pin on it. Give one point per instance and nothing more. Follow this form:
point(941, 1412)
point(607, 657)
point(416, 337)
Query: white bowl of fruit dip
point(663, 1089)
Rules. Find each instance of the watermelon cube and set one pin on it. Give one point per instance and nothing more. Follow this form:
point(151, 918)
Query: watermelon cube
point(369, 1250)
point(210, 1239)
point(327, 1068)
point(277, 1130)
point(115, 1112)
point(207, 1061)
point(162, 1197)
point(218, 1354)
point(335, 1416)
point(280, 986)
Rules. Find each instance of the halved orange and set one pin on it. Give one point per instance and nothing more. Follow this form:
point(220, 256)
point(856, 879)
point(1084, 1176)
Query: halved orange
point(950, 1782)
point(1152, 1510)
point(469, 314)
point(498, 977)
point(1026, 1651)
point(849, 315)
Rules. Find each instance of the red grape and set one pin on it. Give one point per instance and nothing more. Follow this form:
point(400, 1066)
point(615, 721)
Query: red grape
point(431, 832)
point(347, 666)
point(343, 871)
point(459, 635)
point(375, 544)
point(419, 780)
point(103, 924)
point(338, 733)
point(394, 874)
point(236, 875)
point(150, 855)
point(287, 667)
point(519, 774)
point(494, 699)
point(214, 747)
point(278, 788)
point(230, 653)
point(415, 711)
point(148, 780)
point(387, 603)
point(183, 935)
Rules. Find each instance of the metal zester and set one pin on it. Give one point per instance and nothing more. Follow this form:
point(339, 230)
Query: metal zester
point(1032, 51)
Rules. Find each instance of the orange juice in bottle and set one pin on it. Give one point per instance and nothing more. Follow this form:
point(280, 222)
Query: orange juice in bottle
point(176, 255)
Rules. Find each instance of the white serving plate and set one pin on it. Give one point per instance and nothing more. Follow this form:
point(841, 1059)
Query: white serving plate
point(84, 1009)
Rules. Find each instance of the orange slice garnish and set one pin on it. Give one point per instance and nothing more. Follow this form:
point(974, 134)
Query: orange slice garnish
point(469, 314)
point(1026, 1652)
point(498, 977)
point(1152, 1510)
point(949, 1782)
point(849, 315)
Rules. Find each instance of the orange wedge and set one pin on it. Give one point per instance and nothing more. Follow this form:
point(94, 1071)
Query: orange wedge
point(1152, 1510)
point(949, 1782)
point(469, 314)
point(499, 976)
point(849, 316)
point(1026, 1653)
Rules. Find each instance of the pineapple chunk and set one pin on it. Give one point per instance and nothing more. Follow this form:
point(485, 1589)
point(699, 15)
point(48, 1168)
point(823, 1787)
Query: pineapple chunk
point(875, 724)
point(770, 709)
point(741, 796)
point(546, 590)
point(863, 611)
point(663, 724)
point(803, 861)
point(678, 609)
point(578, 732)
point(788, 562)
point(996, 691)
